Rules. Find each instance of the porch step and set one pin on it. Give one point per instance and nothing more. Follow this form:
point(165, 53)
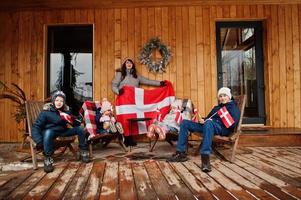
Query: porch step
point(269, 137)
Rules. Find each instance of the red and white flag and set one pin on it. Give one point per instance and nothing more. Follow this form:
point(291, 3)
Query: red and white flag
point(66, 117)
point(140, 103)
point(225, 116)
point(159, 115)
point(195, 115)
point(178, 117)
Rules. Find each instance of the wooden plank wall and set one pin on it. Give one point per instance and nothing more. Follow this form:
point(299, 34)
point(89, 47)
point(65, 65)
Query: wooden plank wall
point(188, 31)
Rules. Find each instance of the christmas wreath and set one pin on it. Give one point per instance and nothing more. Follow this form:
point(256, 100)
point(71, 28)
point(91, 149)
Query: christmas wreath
point(145, 56)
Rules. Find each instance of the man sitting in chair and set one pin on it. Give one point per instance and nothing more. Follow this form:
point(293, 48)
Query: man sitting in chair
point(51, 123)
point(218, 122)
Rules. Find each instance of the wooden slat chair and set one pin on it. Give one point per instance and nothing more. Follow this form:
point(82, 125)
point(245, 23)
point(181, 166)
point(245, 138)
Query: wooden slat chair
point(172, 136)
point(90, 107)
point(33, 109)
point(231, 141)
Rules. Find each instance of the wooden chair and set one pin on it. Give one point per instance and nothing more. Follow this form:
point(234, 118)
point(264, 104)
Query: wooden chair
point(231, 141)
point(106, 139)
point(88, 112)
point(33, 109)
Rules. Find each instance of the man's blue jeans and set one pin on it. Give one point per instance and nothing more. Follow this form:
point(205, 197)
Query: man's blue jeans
point(49, 135)
point(208, 129)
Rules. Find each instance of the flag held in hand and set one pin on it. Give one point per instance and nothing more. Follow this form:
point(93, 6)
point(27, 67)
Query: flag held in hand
point(225, 116)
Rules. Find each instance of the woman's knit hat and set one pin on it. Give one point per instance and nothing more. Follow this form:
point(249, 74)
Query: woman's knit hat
point(58, 94)
point(106, 105)
point(224, 90)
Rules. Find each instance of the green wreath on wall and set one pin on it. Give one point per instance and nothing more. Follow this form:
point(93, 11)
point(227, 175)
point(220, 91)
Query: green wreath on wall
point(145, 56)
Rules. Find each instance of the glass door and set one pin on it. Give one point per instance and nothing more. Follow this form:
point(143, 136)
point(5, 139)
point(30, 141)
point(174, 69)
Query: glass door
point(240, 64)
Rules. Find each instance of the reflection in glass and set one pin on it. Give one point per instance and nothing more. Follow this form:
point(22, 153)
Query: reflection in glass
point(70, 63)
point(239, 65)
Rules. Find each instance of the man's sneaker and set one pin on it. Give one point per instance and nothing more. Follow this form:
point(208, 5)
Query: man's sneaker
point(84, 156)
point(119, 127)
point(178, 157)
point(48, 161)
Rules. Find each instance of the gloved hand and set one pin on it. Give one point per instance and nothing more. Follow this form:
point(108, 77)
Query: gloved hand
point(162, 83)
point(121, 91)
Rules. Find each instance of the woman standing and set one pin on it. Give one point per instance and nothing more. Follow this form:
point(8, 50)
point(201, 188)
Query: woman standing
point(127, 76)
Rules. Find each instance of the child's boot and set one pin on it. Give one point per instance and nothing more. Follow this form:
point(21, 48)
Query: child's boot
point(84, 156)
point(48, 167)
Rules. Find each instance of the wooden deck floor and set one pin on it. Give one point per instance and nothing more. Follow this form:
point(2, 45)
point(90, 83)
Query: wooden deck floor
point(259, 173)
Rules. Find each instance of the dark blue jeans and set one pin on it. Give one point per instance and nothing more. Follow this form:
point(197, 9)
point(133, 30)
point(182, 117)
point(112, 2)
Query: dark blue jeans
point(208, 129)
point(49, 135)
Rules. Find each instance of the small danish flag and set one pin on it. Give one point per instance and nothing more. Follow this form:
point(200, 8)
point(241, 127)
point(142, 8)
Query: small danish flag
point(225, 116)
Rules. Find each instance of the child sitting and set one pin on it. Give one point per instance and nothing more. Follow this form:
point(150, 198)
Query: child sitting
point(105, 120)
point(170, 122)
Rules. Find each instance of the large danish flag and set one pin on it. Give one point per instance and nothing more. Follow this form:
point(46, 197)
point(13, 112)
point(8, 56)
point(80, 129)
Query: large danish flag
point(142, 103)
point(225, 116)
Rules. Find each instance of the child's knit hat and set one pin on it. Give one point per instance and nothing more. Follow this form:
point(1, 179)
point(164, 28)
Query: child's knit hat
point(58, 94)
point(177, 103)
point(106, 105)
point(224, 90)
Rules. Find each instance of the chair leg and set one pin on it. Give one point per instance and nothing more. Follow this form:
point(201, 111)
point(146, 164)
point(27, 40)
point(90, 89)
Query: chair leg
point(234, 150)
point(34, 157)
point(120, 141)
point(72, 150)
point(90, 150)
point(155, 142)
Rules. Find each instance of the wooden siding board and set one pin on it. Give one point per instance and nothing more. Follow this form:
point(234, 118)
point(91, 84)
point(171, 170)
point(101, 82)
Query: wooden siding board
point(200, 59)
point(110, 62)
point(193, 55)
point(151, 34)
point(268, 64)
point(213, 55)
point(296, 66)
point(97, 57)
point(158, 32)
point(137, 38)
point(165, 39)
point(117, 40)
point(104, 55)
point(206, 60)
point(179, 54)
point(144, 35)
point(186, 55)
point(282, 64)
point(289, 66)
point(275, 92)
point(172, 43)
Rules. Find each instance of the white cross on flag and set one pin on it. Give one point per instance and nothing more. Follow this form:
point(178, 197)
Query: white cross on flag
point(140, 103)
point(225, 116)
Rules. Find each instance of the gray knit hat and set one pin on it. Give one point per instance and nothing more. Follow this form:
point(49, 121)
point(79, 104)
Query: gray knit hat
point(58, 94)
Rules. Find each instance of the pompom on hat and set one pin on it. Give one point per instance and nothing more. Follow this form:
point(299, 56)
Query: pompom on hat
point(224, 90)
point(58, 94)
point(106, 105)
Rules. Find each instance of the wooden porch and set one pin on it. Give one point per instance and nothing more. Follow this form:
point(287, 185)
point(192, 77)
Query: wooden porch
point(258, 172)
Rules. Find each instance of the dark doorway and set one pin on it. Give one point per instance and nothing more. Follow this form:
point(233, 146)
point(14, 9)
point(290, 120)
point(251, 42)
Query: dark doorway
point(240, 64)
point(70, 63)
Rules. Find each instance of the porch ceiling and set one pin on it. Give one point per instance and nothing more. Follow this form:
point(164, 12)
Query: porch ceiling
point(50, 4)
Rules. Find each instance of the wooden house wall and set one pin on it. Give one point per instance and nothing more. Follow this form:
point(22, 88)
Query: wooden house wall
point(188, 31)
